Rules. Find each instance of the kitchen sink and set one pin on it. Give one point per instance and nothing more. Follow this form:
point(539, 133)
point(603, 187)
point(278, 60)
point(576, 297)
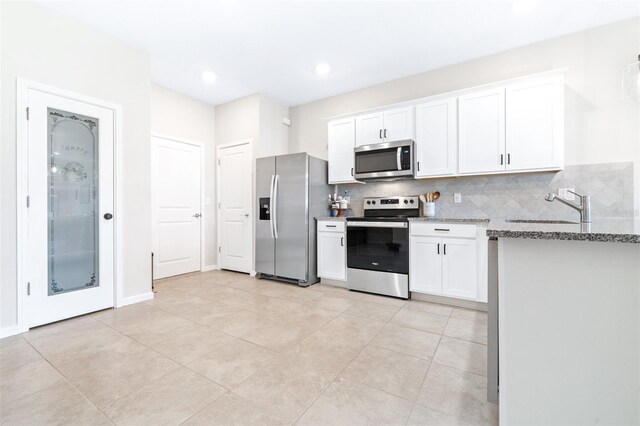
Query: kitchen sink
point(543, 221)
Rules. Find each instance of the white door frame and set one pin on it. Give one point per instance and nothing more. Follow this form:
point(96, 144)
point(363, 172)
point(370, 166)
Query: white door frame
point(22, 187)
point(203, 217)
point(248, 142)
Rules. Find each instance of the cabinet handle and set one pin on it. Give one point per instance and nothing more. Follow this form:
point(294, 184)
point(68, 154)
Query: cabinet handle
point(445, 249)
point(501, 159)
point(342, 241)
point(442, 229)
point(352, 171)
point(438, 248)
point(385, 133)
point(380, 133)
point(330, 226)
point(418, 166)
point(508, 158)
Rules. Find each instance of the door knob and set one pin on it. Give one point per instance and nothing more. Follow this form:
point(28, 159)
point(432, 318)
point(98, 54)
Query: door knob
point(197, 215)
point(108, 216)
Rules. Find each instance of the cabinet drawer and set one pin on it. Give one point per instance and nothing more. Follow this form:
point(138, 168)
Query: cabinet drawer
point(331, 226)
point(443, 229)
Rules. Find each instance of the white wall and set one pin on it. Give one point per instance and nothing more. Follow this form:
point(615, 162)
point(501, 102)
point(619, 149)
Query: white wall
point(599, 127)
point(39, 45)
point(175, 115)
point(274, 135)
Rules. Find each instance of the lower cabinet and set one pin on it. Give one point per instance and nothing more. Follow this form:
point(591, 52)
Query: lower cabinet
point(332, 250)
point(445, 260)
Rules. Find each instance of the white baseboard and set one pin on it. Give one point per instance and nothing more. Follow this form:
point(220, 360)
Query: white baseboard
point(462, 303)
point(136, 299)
point(334, 283)
point(210, 268)
point(10, 331)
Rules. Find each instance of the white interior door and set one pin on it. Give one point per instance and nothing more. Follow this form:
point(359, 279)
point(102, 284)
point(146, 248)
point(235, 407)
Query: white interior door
point(70, 250)
point(176, 205)
point(235, 168)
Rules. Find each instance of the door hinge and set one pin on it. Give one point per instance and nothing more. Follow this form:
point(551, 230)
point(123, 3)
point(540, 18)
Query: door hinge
point(219, 249)
point(219, 206)
point(28, 201)
point(28, 289)
point(27, 113)
point(218, 161)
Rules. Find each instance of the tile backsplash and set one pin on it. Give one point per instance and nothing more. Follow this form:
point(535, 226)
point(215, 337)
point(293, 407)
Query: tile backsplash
point(515, 196)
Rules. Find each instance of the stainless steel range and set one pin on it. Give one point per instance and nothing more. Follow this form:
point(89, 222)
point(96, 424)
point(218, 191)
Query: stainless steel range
point(378, 246)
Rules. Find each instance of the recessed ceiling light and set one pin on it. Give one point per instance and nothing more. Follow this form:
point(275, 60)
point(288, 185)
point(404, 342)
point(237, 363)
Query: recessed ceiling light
point(523, 6)
point(209, 77)
point(323, 69)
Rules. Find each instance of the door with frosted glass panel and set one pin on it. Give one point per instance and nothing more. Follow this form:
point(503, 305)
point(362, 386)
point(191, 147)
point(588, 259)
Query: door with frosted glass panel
point(70, 183)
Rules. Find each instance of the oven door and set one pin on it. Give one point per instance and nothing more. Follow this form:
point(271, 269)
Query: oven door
point(384, 160)
point(378, 246)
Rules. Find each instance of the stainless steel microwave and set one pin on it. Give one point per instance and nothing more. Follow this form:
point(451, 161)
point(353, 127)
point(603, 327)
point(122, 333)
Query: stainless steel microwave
point(385, 160)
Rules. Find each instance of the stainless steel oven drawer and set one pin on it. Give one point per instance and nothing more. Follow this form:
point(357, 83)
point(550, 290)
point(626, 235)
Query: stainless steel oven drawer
point(387, 283)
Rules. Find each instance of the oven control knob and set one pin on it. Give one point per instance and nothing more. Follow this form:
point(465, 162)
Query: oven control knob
point(368, 202)
point(373, 202)
point(411, 201)
point(406, 201)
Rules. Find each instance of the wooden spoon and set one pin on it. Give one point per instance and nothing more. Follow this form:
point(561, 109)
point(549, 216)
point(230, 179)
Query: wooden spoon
point(436, 195)
point(424, 200)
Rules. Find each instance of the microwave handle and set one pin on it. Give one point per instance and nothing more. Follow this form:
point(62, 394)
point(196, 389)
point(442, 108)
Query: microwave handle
point(399, 158)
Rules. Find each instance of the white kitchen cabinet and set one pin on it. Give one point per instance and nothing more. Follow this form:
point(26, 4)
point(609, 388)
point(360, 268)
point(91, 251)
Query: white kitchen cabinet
point(398, 124)
point(332, 250)
point(385, 126)
point(436, 137)
point(459, 268)
point(369, 128)
point(342, 137)
point(425, 265)
point(534, 124)
point(481, 131)
point(446, 260)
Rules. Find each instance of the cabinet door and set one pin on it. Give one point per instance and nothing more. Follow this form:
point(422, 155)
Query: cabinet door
point(425, 265)
point(331, 255)
point(398, 124)
point(481, 131)
point(342, 137)
point(436, 138)
point(535, 131)
point(369, 128)
point(459, 268)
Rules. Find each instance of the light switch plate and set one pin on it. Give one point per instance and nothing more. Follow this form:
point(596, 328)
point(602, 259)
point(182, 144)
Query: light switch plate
point(457, 197)
point(565, 194)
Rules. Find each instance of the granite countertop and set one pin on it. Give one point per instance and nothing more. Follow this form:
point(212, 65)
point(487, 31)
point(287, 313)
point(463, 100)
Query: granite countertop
point(337, 219)
point(450, 219)
point(614, 230)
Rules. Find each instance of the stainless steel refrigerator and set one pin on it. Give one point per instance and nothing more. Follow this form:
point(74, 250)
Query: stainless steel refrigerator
point(291, 191)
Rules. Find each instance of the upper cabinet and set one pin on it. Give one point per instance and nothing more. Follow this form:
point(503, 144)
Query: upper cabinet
point(506, 127)
point(516, 127)
point(385, 126)
point(535, 124)
point(436, 137)
point(342, 140)
point(481, 131)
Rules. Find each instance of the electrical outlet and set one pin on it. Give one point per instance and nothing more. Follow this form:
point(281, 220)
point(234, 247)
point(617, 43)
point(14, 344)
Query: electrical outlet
point(565, 194)
point(457, 197)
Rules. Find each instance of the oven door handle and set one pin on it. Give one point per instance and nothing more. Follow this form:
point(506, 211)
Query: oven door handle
point(399, 158)
point(365, 224)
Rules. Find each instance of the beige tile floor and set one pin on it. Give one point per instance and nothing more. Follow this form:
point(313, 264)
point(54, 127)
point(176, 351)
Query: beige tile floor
point(224, 348)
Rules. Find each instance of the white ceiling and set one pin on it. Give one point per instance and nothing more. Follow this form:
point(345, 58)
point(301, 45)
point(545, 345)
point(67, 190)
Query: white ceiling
point(273, 47)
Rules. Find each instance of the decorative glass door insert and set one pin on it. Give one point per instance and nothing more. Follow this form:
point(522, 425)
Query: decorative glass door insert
point(73, 211)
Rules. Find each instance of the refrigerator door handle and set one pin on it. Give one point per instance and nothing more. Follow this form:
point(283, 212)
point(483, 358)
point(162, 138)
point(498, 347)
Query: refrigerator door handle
point(272, 206)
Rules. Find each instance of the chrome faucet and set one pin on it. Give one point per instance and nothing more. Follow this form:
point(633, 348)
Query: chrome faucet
point(584, 207)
